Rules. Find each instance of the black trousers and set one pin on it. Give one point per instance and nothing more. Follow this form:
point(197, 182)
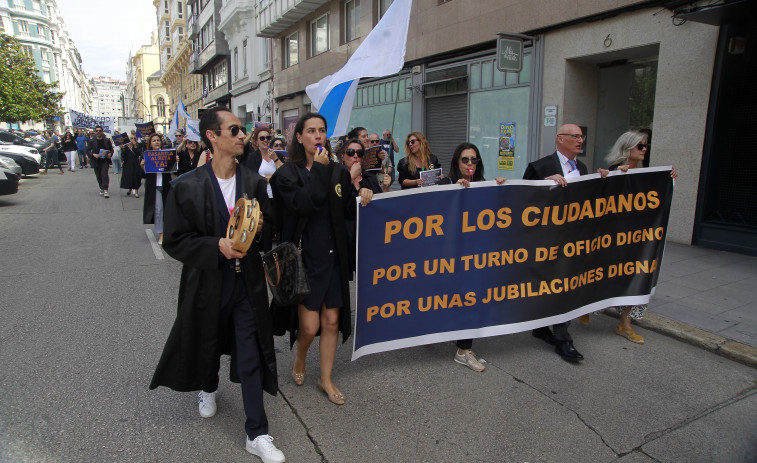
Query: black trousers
point(560, 332)
point(238, 311)
point(101, 172)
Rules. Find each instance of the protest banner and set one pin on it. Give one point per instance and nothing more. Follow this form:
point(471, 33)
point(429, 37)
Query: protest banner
point(86, 121)
point(447, 263)
point(160, 161)
point(120, 139)
point(145, 129)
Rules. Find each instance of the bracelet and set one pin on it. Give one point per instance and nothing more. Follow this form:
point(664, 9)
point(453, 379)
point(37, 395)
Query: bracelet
point(275, 160)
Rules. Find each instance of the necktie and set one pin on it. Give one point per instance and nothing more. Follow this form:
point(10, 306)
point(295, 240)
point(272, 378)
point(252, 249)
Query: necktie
point(572, 165)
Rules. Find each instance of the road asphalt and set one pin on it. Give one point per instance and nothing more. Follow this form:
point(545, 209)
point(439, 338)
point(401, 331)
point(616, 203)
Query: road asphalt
point(88, 301)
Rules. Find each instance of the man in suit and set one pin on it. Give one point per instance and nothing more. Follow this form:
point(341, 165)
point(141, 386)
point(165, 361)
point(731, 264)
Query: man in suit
point(558, 166)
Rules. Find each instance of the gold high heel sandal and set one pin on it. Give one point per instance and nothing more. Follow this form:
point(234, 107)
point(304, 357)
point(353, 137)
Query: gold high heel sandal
point(298, 378)
point(629, 334)
point(337, 399)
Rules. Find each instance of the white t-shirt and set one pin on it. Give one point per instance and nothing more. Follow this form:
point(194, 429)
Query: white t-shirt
point(267, 168)
point(228, 189)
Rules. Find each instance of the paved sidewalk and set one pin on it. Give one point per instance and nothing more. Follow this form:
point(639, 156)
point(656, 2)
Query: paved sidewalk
point(708, 298)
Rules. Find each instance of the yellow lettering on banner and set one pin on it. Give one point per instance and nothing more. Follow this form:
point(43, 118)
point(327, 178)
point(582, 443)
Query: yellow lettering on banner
point(543, 254)
point(487, 219)
point(638, 236)
point(446, 301)
point(632, 268)
point(389, 310)
point(414, 227)
point(394, 272)
point(434, 266)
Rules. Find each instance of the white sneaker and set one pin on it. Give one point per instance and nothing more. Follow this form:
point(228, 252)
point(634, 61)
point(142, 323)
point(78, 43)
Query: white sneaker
point(263, 447)
point(469, 360)
point(106, 194)
point(207, 404)
point(101, 192)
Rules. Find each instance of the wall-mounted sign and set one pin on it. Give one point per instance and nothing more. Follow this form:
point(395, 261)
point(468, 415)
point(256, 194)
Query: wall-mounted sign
point(509, 54)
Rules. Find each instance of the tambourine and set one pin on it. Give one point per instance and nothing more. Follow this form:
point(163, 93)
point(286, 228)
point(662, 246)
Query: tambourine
point(243, 224)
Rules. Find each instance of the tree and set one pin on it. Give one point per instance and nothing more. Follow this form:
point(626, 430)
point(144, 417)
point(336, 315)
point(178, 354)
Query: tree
point(23, 94)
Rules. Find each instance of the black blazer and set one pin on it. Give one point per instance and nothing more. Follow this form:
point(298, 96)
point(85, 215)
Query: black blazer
point(549, 165)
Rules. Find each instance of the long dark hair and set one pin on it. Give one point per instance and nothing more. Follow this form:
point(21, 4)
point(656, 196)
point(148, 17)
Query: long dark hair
point(295, 149)
point(454, 170)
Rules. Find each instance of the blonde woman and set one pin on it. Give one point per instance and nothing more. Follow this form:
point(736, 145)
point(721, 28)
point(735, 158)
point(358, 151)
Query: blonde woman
point(417, 158)
point(629, 152)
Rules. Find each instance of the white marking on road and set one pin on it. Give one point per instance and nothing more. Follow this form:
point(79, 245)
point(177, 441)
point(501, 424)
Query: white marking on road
point(154, 243)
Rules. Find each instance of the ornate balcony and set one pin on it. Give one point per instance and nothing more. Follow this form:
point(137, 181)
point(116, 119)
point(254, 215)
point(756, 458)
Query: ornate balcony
point(276, 16)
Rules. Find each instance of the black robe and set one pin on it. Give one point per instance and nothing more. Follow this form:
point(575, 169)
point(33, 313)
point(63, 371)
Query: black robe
point(131, 175)
point(193, 225)
point(293, 203)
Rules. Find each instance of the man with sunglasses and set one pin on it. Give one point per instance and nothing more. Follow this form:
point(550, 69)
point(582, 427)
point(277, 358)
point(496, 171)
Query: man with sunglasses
point(558, 166)
point(223, 298)
point(100, 150)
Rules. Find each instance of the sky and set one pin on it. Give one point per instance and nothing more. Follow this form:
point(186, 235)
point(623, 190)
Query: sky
point(105, 31)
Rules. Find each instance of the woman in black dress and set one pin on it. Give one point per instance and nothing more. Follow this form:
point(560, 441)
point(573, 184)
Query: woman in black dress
point(312, 199)
point(69, 147)
point(156, 190)
point(188, 153)
point(417, 158)
point(131, 177)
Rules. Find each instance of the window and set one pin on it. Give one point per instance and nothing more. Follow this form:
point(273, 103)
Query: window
point(291, 56)
point(23, 28)
point(161, 106)
point(319, 35)
point(244, 57)
point(168, 30)
point(383, 6)
point(181, 33)
point(179, 10)
point(165, 6)
point(267, 53)
point(168, 54)
point(351, 20)
point(236, 63)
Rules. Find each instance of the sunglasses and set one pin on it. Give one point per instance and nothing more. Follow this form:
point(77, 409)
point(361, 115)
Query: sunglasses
point(374, 141)
point(350, 152)
point(466, 160)
point(278, 145)
point(410, 142)
point(641, 146)
point(269, 138)
point(234, 129)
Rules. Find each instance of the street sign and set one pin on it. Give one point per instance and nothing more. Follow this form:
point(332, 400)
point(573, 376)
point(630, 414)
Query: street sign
point(509, 54)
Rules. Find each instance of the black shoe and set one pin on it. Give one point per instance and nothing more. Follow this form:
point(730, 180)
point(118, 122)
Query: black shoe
point(569, 353)
point(545, 334)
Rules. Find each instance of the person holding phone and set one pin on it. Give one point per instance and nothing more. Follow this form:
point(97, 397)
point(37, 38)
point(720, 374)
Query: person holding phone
point(311, 196)
point(100, 148)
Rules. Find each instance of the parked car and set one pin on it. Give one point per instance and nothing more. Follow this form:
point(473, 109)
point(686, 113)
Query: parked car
point(28, 162)
point(18, 140)
point(10, 164)
point(18, 149)
point(8, 182)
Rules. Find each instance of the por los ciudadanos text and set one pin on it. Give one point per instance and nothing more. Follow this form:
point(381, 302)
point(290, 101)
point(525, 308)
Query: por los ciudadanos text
point(446, 263)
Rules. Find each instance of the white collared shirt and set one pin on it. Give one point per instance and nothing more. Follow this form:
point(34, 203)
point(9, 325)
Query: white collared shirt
point(566, 169)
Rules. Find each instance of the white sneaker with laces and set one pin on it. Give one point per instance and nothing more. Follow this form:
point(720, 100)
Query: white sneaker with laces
point(469, 360)
point(263, 447)
point(207, 404)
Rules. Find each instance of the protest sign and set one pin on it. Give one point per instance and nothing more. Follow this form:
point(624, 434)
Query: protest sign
point(86, 121)
point(120, 139)
point(145, 129)
point(370, 160)
point(193, 130)
point(160, 161)
point(446, 263)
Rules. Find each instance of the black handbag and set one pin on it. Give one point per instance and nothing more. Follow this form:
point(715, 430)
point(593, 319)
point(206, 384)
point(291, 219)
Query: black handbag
point(286, 275)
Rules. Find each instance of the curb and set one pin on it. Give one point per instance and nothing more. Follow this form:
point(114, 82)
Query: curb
point(715, 343)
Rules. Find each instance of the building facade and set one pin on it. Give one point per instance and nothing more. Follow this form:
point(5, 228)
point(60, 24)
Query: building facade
point(210, 52)
point(147, 100)
point(40, 28)
point(108, 97)
point(631, 64)
point(251, 76)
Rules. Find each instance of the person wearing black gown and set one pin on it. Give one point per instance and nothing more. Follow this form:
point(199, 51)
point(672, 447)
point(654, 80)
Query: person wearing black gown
point(131, 176)
point(311, 197)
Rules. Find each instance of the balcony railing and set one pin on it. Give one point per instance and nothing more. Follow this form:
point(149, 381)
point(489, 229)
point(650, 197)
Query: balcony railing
point(276, 16)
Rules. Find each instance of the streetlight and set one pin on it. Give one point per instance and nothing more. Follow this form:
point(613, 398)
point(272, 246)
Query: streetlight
point(149, 116)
